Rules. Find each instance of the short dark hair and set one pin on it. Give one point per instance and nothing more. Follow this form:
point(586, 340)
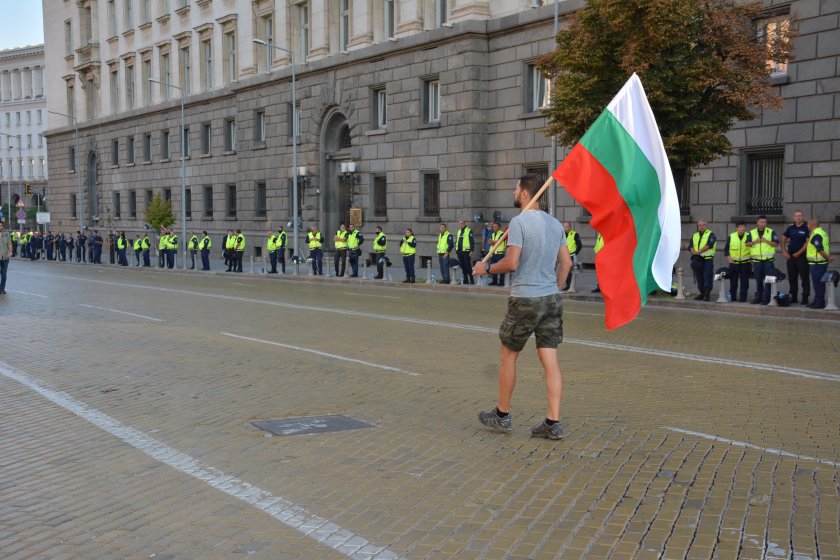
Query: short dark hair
point(740, 223)
point(530, 182)
point(762, 217)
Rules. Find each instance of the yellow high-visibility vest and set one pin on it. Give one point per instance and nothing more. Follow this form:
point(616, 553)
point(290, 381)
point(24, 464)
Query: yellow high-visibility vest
point(698, 241)
point(814, 256)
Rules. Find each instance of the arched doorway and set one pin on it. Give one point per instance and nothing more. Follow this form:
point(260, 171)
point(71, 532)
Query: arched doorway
point(336, 195)
point(92, 198)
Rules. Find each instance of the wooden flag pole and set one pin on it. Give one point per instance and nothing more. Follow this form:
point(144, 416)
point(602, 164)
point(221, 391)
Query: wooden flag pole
point(527, 207)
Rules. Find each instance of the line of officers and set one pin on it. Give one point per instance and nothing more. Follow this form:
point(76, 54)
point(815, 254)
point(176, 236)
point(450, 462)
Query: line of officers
point(805, 246)
point(58, 246)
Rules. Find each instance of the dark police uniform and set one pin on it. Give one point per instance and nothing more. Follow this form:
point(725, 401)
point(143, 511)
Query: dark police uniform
point(797, 267)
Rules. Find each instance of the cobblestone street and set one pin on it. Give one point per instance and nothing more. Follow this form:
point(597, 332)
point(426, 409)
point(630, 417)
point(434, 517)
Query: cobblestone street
point(127, 396)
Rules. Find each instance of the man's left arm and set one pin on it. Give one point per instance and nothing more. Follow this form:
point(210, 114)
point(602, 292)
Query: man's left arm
point(774, 240)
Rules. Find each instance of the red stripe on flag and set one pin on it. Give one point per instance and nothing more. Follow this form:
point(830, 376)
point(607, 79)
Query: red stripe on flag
point(595, 189)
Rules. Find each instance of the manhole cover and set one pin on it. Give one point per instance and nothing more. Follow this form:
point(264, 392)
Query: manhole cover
point(310, 425)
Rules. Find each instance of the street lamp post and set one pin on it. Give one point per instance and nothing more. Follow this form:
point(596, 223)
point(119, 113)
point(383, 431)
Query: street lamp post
point(183, 172)
point(295, 217)
point(20, 176)
point(78, 167)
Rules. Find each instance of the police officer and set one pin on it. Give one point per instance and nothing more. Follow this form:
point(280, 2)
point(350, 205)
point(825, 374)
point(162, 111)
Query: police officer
point(163, 248)
point(763, 242)
point(62, 247)
point(239, 248)
point(445, 245)
point(599, 244)
point(98, 241)
point(281, 242)
point(81, 254)
point(738, 257)
point(24, 245)
point(146, 246)
point(463, 248)
point(206, 244)
point(818, 253)
point(794, 245)
point(340, 240)
point(122, 246)
point(230, 251)
point(354, 244)
point(171, 249)
point(575, 246)
point(50, 241)
point(315, 239)
point(138, 249)
point(271, 247)
point(193, 248)
point(408, 250)
point(703, 246)
point(70, 246)
point(498, 254)
point(380, 246)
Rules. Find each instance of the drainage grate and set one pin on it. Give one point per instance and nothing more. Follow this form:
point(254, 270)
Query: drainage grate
point(310, 425)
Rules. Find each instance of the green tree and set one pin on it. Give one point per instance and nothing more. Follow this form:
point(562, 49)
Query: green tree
point(159, 213)
point(701, 64)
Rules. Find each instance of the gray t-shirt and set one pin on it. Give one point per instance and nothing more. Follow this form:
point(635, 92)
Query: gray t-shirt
point(5, 241)
point(540, 237)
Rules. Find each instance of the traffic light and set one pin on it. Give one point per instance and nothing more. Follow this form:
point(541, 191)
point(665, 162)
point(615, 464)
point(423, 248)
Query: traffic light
point(26, 189)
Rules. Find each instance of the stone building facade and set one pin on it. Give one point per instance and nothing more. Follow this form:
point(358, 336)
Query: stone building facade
point(23, 120)
point(410, 113)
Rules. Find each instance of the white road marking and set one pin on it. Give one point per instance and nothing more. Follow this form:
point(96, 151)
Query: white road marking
point(324, 354)
point(605, 345)
point(31, 294)
point(737, 443)
point(241, 284)
point(370, 295)
point(290, 514)
point(123, 312)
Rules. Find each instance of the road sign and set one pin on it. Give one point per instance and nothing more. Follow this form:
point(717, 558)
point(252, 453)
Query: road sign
point(42, 217)
point(21, 215)
point(20, 203)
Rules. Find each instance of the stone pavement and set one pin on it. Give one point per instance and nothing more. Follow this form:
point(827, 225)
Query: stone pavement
point(126, 399)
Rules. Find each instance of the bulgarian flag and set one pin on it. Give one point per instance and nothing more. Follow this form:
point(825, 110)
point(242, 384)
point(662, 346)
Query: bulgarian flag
point(619, 172)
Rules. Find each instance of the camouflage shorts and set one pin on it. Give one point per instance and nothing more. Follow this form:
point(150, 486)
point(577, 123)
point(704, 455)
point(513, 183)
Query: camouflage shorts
point(541, 316)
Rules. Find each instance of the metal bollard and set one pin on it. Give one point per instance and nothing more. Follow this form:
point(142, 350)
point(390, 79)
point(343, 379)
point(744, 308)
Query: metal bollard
point(680, 288)
point(770, 285)
point(830, 304)
point(309, 262)
point(328, 264)
point(364, 269)
point(429, 273)
point(722, 295)
point(573, 284)
point(264, 266)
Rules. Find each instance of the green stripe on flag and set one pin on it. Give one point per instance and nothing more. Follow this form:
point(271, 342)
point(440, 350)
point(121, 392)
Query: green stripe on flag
point(638, 183)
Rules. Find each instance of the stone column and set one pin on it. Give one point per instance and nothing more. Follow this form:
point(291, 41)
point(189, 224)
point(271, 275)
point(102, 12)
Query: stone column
point(26, 83)
point(16, 84)
point(5, 85)
point(410, 18)
point(319, 28)
point(461, 10)
point(361, 24)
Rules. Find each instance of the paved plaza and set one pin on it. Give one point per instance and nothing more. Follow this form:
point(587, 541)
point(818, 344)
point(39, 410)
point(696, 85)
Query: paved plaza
point(127, 396)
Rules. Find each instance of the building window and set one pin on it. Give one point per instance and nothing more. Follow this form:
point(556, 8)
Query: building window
point(230, 57)
point(207, 64)
point(380, 199)
point(146, 10)
point(185, 142)
point(164, 144)
point(112, 18)
point(775, 33)
point(115, 152)
point(345, 140)
point(132, 204)
point(147, 85)
point(165, 76)
point(205, 138)
point(259, 126)
point(117, 205)
point(230, 201)
point(71, 100)
point(441, 12)
point(87, 25)
point(765, 182)
point(149, 195)
point(128, 14)
point(167, 196)
point(539, 90)
point(389, 19)
point(294, 120)
point(71, 160)
point(380, 108)
point(163, 7)
point(129, 150)
point(344, 24)
point(188, 203)
point(260, 206)
point(208, 201)
point(185, 69)
point(431, 194)
point(265, 54)
point(431, 101)
point(147, 147)
point(230, 135)
point(115, 90)
point(129, 86)
point(73, 205)
point(303, 29)
point(68, 38)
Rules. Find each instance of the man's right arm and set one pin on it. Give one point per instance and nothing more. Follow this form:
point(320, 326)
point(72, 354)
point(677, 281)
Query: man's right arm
point(564, 265)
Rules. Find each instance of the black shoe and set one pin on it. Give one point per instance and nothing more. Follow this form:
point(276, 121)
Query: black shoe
point(543, 430)
point(596, 291)
point(406, 281)
point(707, 296)
point(700, 297)
point(377, 278)
point(804, 300)
point(354, 276)
point(793, 299)
point(755, 301)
